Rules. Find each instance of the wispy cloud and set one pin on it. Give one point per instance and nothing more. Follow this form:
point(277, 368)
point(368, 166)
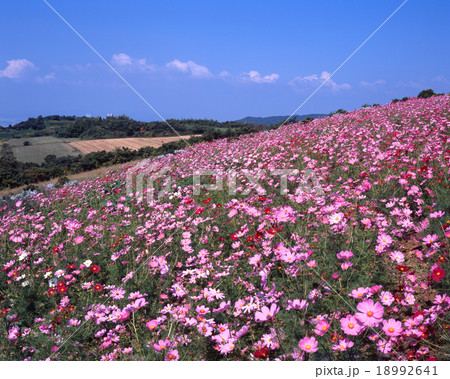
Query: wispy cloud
point(47, 78)
point(315, 80)
point(17, 68)
point(373, 84)
point(190, 67)
point(441, 79)
point(125, 62)
point(256, 77)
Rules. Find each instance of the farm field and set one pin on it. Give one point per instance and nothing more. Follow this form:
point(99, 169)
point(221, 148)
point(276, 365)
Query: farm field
point(40, 147)
point(325, 241)
point(131, 143)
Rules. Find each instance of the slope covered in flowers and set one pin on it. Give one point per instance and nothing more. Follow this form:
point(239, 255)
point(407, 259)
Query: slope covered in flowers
point(356, 270)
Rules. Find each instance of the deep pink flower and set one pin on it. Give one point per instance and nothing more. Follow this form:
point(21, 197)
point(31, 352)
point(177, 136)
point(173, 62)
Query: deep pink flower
point(350, 325)
point(321, 327)
point(392, 328)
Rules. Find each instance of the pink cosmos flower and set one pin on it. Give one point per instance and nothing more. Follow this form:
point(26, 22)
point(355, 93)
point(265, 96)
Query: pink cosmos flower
point(296, 304)
point(161, 345)
point(321, 327)
point(346, 254)
point(429, 239)
point(226, 348)
point(255, 259)
point(201, 309)
point(223, 306)
point(386, 298)
point(266, 313)
point(117, 294)
point(152, 324)
point(172, 355)
point(384, 240)
point(370, 313)
point(308, 344)
point(392, 328)
point(74, 322)
point(384, 347)
point(78, 239)
point(346, 265)
point(358, 293)
point(336, 218)
point(343, 345)
point(350, 325)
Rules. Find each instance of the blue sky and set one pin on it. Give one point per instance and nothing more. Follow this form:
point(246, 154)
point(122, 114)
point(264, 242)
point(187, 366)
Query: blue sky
point(219, 60)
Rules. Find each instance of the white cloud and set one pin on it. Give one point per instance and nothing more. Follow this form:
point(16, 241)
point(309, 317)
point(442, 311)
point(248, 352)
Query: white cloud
point(121, 59)
point(125, 62)
point(189, 67)
point(255, 77)
point(46, 78)
point(316, 80)
point(17, 68)
point(379, 82)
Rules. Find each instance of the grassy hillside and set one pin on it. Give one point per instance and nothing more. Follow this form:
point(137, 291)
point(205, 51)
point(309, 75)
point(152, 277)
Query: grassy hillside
point(343, 257)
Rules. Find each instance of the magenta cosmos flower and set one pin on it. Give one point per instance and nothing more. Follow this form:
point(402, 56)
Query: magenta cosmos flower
point(308, 344)
point(370, 313)
point(350, 325)
point(172, 355)
point(392, 327)
point(266, 313)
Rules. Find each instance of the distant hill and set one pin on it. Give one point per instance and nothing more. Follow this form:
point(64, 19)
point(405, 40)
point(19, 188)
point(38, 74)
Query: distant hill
point(276, 119)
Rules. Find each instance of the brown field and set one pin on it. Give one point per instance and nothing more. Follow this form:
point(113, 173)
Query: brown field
point(111, 144)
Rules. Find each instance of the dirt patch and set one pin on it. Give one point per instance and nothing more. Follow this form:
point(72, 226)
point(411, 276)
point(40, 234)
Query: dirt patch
point(132, 143)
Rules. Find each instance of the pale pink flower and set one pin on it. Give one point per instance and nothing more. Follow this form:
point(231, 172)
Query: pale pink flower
point(370, 313)
point(265, 313)
point(308, 344)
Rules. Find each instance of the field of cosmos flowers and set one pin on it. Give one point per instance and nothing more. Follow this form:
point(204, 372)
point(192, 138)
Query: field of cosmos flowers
point(355, 271)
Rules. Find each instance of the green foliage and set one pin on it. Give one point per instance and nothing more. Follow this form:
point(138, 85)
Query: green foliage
point(426, 93)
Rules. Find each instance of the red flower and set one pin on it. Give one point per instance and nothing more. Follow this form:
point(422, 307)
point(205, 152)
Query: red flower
point(95, 268)
point(63, 289)
point(267, 210)
point(402, 268)
point(262, 353)
point(207, 200)
point(438, 274)
point(98, 287)
point(262, 198)
point(60, 284)
point(199, 210)
point(72, 267)
point(52, 291)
